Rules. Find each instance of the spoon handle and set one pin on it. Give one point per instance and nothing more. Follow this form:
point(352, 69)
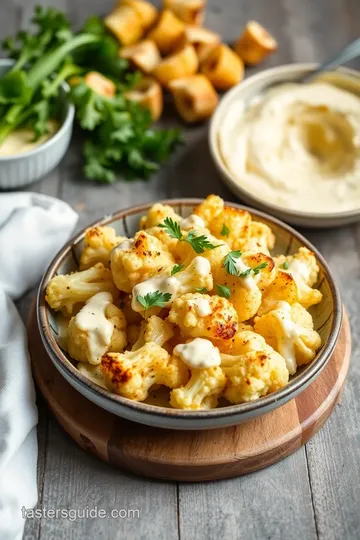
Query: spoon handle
point(349, 52)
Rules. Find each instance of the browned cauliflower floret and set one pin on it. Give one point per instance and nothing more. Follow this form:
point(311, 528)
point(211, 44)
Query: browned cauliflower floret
point(131, 374)
point(289, 330)
point(210, 209)
point(97, 328)
point(258, 238)
point(98, 243)
point(65, 292)
point(201, 315)
point(283, 288)
point(155, 330)
point(202, 390)
point(253, 374)
point(244, 341)
point(156, 214)
point(246, 287)
point(195, 276)
point(136, 260)
point(304, 269)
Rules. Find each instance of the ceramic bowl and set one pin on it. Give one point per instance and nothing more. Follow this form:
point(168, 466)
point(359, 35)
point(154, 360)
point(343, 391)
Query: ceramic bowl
point(245, 92)
point(22, 169)
point(327, 317)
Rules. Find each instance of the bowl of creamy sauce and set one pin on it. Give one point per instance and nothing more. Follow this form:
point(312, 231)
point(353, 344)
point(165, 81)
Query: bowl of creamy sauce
point(292, 148)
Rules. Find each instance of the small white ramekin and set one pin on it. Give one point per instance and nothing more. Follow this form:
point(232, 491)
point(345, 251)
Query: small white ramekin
point(22, 169)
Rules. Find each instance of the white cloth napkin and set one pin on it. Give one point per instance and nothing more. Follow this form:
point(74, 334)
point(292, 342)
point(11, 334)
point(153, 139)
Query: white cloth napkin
point(33, 228)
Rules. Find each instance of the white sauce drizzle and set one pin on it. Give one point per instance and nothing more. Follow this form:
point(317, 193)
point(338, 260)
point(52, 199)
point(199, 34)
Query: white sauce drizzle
point(201, 306)
point(248, 281)
point(199, 354)
point(299, 270)
point(291, 331)
point(192, 222)
point(91, 319)
point(175, 285)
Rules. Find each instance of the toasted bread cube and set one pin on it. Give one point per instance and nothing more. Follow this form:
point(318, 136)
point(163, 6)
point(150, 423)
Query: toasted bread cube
point(125, 23)
point(183, 63)
point(144, 55)
point(223, 67)
point(146, 11)
point(255, 44)
point(148, 94)
point(100, 84)
point(168, 32)
point(189, 11)
point(195, 97)
point(202, 39)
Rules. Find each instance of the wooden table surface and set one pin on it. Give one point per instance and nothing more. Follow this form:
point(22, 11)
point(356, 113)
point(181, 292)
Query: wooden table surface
point(315, 493)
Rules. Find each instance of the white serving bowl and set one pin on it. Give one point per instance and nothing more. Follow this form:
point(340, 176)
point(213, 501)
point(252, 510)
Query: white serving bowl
point(22, 169)
point(246, 91)
point(327, 320)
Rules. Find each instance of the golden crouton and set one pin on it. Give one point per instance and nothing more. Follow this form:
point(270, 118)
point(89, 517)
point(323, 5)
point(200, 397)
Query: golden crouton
point(146, 11)
point(168, 32)
point(182, 63)
point(100, 84)
point(149, 95)
point(144, 55)
point(189, 11)
point(223, 67)
point(195, 97)
point(255, 44)
point(202, 39)
point(125, 23)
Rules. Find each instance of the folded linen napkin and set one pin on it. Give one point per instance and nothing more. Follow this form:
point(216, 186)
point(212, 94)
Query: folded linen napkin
point(33, 228)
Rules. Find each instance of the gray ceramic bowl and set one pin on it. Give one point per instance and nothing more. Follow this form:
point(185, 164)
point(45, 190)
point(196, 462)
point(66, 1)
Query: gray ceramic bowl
point(22, 169)
point(248, 90)
point(327, 318)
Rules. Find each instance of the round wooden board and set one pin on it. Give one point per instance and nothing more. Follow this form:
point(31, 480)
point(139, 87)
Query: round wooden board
point(191, 455)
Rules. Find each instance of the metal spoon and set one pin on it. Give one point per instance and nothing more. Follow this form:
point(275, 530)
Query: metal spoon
point(349, 52)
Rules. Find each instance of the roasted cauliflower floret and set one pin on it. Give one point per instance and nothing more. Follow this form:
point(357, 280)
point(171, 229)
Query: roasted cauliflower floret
point(210, 209)
point(283, 288)
point(138, 259)
point(244, 341)
point(156, 214)
point(97, 328)
point(195, 276)
point(202, 390)
point(201, 315)
point(253, 374)
point(289, 330)
point(154, 330)
point(258, 238)
point(98, 243)
point(131, 374)
point(246, 287)
point(65, 292)
point(304, 269)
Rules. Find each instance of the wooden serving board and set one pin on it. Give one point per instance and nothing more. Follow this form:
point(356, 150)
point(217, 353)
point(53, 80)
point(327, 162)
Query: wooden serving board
point(191, 455)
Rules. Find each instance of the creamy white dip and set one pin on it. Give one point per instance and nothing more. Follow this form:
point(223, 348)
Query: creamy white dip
point(22, 140)
point(297, 147)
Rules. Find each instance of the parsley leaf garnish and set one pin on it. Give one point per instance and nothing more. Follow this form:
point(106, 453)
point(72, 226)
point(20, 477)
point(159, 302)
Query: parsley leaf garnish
point(198, 243)
point(153, 299)
point(285, 265)
point(255, 270)
point(225, 231)
point(223, 291)
point(202, 290)
point(177, 268)
point(230, 262)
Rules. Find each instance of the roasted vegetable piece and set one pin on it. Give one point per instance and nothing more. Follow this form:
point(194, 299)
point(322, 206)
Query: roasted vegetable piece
point(100, 84)
point(195, 98)
point(144, 55)
point(125, 23)
point(182, 63)
point(202, 390)
point(254, 44)
point(189, 11)
point(146, 11)
point(223, 67)
point(168, 32)
point(98, 243)
point(149, 95)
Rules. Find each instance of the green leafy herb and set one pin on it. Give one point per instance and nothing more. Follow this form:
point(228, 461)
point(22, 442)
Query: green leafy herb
point(172, 228)
point(225, 231)
point(223, 291)
point(198, 243)
point(230, 262)
point(202, 290)
point(153, 299)
point(177, 268)
point(255, 270)
point(285, 265)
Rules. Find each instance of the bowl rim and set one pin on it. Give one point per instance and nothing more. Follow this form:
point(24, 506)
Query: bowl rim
point(72, 372)
point(228, 177)
point(64, 127)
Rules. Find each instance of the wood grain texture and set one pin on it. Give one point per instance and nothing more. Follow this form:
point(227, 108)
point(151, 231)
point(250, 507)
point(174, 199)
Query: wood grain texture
point(189, 455)
point(315, 493)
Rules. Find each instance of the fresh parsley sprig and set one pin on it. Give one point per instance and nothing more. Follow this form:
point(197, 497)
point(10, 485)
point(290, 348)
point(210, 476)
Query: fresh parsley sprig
point(198, 243)
point(153, 299)
point(223, 291)
point(230, 262)
point(177, 268)
point(285, 265)
point(225, 231)
point(202, 290)
point(255, 270)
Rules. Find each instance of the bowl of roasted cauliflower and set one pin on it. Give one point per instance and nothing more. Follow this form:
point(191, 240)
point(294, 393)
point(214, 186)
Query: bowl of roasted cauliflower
point(189, 314)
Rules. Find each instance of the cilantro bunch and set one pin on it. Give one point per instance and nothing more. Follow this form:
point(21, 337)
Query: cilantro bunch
point(119, 139)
